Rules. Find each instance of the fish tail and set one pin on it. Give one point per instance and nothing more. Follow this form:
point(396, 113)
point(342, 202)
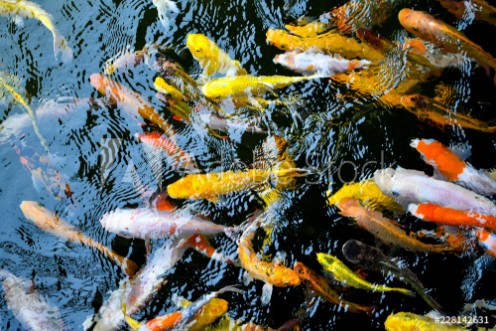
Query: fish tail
point(61, 47)
point(404, 291)
point(127, 265)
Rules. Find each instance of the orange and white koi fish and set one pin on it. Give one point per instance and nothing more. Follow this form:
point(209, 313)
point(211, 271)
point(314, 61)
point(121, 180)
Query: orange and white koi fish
point(453, 168)
point(386, 230)
point(443, 35)
point(179, 319)
point(412, 186)
point(49, 222)
point(312, 61)
point(320, 285)
point(487, 240)
point(130, 101)
point(28, 306)
point(147, 223)
point(200, 243)
point(443, 215)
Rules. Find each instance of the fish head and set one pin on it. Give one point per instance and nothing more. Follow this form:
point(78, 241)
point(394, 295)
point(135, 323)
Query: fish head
point(199, 46)
point(40, 216)
point(99, 82)
point(285, 59)
point(384, 179)
point(407, 19)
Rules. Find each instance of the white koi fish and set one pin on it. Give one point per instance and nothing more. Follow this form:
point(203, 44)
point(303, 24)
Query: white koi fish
point(411, 186)
point(312, 62)
point(146, 223)
point(28, 306)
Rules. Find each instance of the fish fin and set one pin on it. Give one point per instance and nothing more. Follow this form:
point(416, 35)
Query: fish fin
point(461, 150)
point(61, 47)
point(133, 324)
point(492, 173)
point(266, 294)
point(247, 278)
point(444, 94)
point(18, 21)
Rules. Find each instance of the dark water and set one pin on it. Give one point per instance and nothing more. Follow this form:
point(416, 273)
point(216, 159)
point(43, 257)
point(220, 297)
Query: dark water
point(94, 149)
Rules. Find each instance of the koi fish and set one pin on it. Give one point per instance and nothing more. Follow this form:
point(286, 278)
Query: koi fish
point(7, 83)
point(164, 7)
point(28, 306)
point(269, 272)
point(320, 285)
point(412, 322)
point(180, 159)
point(412, 186)
point(329, 42)
point(450, 216)
point(151, 277)
point(147, 223)
point(345, 275)
point(372, 258)
point(386, 230)
point(426, 109)
point(220, 88)
point(179, 319)
point(30, 9)
point(43, 173)
point(487, 240)
point(201, 244)
point(49, 222)
point(212, 59)
point(443, 35)
point(453, 168)
point(483, 11)
point(368, 193)
point(361, 14)
point(313, 62)
point(137, 291)
point(312, 29)
point(130, 101)
point(177, 104)
point(212, 185)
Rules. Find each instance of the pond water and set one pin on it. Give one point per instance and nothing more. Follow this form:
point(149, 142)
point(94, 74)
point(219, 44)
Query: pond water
point(339, 134)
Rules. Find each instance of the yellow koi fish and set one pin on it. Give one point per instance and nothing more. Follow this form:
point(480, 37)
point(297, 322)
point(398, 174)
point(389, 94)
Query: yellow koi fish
point(6, 85)
point(443, 35)
point(329, 42)
point(49, 222)
point(224, 87)
point(30, 9)
point(368, 193)
point(211, 58)
point(212, 185)
point(269, 272)
point(321, 286)
point(345, 275)
point(412, 322)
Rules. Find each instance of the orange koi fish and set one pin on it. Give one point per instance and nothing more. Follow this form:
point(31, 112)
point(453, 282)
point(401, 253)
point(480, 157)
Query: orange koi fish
point(487, 240)
point(181, 159)
point(269, 272)
point(329, 42)
point(385, 229)
point(320, 285)
point(452, 168)
point(443, 35)
point(131, 102)
point(49, 222)
point(432, 212)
